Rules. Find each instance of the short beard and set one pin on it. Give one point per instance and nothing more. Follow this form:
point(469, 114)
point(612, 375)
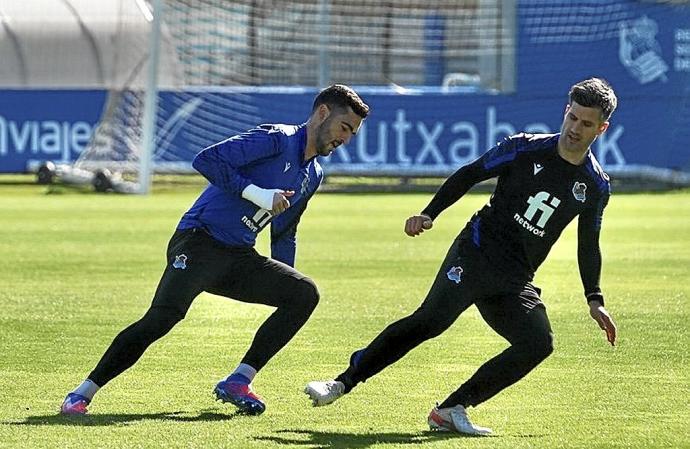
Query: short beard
point(321, 145)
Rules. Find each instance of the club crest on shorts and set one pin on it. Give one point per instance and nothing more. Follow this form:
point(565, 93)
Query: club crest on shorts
point(455, 274)
point(579, 189)
point(180, 262)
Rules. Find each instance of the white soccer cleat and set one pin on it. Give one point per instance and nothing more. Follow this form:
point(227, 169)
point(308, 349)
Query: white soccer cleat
point(455, 419)
point(324, 393)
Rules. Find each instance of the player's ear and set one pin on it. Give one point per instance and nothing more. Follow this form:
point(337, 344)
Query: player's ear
point(322, 112)
point(603, 127)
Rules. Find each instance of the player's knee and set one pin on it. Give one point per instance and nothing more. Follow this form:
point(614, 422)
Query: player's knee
point(542, 346)
point(158, 321)
point(416, 328)
point(307, 294)
point(433, 329)
point(535, 347)
point(427, 325)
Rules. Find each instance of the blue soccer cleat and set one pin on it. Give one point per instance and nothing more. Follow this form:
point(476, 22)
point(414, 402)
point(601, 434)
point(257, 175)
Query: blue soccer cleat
point(74, 404)
point(240, 395)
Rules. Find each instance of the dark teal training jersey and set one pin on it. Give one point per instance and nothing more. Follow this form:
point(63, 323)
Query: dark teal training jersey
point(538, 193)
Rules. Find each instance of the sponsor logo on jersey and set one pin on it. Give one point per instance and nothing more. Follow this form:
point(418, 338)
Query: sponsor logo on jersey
point(538, 168)
point(543, 203)
point(258, 221)
point(180, 262)
point(250, 223)
point(287, 167)
point(455, 274)
point(579, 191)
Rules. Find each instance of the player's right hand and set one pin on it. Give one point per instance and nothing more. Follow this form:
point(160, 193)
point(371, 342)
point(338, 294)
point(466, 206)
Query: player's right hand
point(417, 224)
point(281, 202)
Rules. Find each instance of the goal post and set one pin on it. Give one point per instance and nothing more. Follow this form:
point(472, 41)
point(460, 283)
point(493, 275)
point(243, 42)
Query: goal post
point(150, 100)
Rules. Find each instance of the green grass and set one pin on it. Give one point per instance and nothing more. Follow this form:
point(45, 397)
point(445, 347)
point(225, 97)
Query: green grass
point(77, 268)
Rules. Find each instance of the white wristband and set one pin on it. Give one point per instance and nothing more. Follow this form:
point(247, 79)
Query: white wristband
point(261, 197)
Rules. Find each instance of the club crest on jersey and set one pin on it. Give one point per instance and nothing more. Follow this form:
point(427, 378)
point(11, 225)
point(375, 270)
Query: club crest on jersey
point(579, 189)
point(455, 274)
point(180, 262)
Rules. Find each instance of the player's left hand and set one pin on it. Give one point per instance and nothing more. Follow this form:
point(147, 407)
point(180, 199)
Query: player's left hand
point(281, 201)
point(604, 320)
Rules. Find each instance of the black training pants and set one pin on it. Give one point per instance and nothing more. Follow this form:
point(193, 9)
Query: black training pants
point(513, 309)
point(196, 263)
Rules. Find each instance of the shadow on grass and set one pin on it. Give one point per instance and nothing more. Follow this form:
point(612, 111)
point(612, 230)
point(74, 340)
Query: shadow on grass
point(343, 440)
point(110, 419)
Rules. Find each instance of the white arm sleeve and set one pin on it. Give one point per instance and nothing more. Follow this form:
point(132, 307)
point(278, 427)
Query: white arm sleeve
point(261, 197)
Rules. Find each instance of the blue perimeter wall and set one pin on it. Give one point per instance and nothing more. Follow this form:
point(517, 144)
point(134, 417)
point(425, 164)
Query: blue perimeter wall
point(643, 49)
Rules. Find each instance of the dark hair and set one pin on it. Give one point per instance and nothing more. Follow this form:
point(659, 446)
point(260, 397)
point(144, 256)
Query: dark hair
point(595, 93)
point(340, 96)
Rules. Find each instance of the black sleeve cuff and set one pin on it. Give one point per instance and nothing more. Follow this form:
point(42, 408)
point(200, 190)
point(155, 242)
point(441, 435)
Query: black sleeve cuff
point(595, 297)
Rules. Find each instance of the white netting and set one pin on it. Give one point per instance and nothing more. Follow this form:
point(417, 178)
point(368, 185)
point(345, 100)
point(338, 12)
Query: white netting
point(208, 44)
point(215, 55)
point(367, 42)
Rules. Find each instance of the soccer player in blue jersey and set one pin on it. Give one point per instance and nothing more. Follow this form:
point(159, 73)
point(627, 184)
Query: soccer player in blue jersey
point(544, 182)
point(265, 175)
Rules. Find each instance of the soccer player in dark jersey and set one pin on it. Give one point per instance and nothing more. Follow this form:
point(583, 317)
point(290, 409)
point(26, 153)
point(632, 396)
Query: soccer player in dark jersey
point(265, 175)
point(544, 182)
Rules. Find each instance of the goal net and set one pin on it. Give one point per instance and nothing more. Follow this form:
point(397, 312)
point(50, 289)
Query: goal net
point(223, 67)
point(215, 54)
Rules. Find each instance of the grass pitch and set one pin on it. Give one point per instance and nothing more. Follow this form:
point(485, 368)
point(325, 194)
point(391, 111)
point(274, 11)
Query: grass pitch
point(77, 268)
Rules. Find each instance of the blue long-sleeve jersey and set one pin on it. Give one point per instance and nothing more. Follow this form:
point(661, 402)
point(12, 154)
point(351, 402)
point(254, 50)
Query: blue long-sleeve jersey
point(269, 156)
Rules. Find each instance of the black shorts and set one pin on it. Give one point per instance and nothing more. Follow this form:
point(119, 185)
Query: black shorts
point(466, 277)
point(196, 263)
